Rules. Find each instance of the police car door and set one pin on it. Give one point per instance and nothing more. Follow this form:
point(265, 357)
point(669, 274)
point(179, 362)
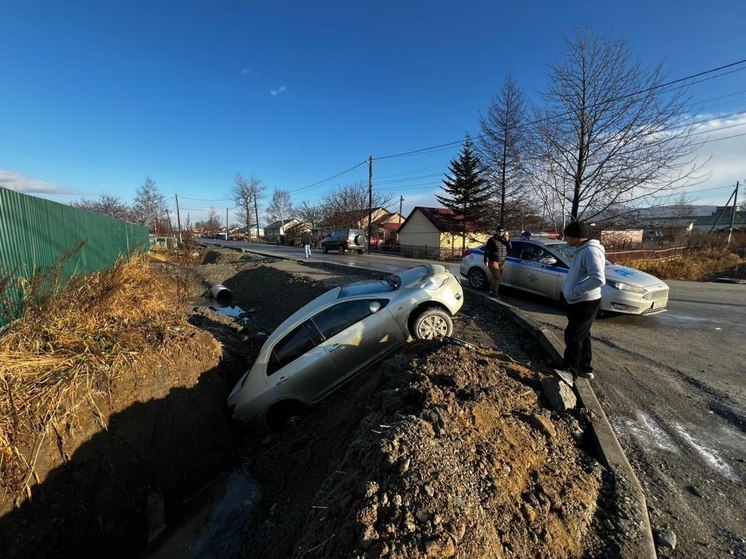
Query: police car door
point(538, 271)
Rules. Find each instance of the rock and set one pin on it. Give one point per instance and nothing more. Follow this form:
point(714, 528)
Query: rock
point(542, 424)
point(666, 537)
point(558, 394)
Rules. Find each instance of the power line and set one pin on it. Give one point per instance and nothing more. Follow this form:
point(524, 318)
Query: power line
point(649, 89)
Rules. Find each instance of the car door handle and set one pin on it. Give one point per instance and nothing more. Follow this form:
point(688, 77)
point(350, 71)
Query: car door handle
point(281, 380)
point(334, 347)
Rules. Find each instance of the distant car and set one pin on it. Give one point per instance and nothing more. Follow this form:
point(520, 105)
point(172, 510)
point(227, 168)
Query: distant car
point(540, 267)
point(344, 239)
point(338, 334)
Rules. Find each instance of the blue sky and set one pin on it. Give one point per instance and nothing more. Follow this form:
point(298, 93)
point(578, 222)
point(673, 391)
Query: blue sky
point(97, 96)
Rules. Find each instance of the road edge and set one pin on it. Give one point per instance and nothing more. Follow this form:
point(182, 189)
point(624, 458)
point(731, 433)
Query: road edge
point(611, 451)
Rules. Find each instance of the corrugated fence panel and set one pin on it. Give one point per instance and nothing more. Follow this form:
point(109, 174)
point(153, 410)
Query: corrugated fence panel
point(37, 234)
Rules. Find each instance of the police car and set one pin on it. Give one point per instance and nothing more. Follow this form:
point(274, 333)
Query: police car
point(540, 266)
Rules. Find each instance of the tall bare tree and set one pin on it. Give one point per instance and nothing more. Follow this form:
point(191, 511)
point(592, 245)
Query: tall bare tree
point(150, 205)
point(611, 134)
point(281, 207)
point(310, 215)
point(246, 194)
point(213, 223)
point(504, 139)
point(347, 206)
point(106, 205)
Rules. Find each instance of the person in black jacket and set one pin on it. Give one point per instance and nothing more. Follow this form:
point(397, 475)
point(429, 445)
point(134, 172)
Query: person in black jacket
point(495, 253)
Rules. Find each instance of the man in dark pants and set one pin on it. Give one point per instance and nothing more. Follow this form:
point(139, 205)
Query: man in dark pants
point(582, 291)
point(495, 253)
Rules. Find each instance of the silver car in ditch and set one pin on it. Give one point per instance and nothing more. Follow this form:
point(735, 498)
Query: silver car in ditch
point(540, 267)
point(338, 334)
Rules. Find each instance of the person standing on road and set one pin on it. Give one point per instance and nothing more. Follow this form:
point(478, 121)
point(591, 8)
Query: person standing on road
point(582, 292)
point(307, 239)
point(495, 253)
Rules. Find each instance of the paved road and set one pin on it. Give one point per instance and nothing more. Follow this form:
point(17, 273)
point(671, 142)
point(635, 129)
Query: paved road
point(674, 388)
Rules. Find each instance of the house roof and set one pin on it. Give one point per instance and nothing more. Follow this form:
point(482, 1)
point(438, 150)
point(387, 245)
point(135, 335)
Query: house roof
point(443, 219)
point(278, 224)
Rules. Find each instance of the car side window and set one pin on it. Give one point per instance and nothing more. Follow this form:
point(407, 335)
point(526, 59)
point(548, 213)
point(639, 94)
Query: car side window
point(289, 348)
point(533, 253)
point(341, 316)
point(515, 250)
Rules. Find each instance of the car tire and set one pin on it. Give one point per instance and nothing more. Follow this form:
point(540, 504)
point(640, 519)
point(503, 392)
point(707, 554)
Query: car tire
point(477, 278)
point(324, 249)
point(360, 251)
point(285, 415)
point(432, 323)
point(341, 248)
point(358, 239)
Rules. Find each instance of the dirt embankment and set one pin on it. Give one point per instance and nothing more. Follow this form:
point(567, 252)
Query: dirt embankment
point(440, 451)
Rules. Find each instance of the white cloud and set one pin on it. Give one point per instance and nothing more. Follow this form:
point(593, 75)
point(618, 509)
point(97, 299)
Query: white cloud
point(19, 183)
point(276, 92)
point(245, 71)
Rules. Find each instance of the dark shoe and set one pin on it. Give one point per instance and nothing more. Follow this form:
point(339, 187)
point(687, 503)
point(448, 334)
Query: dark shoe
point(585, 374)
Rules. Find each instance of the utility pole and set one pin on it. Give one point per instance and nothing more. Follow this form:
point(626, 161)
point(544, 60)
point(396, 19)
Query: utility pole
point(178, 217)
point(256, 211)
point(733, 214)
point(226, 224)
point(370, 198)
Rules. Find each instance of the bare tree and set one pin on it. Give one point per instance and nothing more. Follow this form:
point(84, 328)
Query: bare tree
point(150, 205)
point(107, 205)
point(348, 206)
point(281, 208)
point(310, 215)
point(245, 194)
point(504, 139)
point(611, 133)
point(213, 223)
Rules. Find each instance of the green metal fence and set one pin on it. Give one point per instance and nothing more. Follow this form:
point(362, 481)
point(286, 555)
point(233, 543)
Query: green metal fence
point(37, 234)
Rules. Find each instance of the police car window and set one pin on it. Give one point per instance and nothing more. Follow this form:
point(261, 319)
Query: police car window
point(515, 251)
point(341, 316)
point(289, 348)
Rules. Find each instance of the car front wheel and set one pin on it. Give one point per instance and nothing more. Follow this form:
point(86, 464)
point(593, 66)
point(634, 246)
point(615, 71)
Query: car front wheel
point(324, 249)
point(432, 323)
point(477, 278)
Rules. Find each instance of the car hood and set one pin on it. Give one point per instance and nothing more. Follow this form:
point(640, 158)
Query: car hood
point(617, 272)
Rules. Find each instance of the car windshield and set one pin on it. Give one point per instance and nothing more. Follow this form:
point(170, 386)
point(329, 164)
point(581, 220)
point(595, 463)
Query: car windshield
point(385, 285)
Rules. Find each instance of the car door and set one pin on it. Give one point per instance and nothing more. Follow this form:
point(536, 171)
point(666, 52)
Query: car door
point(357, 332)
point(538, 271)
point(511, 269)
point(299, 367)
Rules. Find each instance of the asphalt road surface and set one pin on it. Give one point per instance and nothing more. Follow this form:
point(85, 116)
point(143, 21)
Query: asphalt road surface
point(674, 387)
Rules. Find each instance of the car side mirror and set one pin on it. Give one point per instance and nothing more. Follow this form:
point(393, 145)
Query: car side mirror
point(374, 307)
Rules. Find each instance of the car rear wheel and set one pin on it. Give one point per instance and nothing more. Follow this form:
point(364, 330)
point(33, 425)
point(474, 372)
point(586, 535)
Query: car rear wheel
point(432, 323)
point(284, 415)
point(324, 249)
point(341, 248)
point(360, 251)
point(477, 278)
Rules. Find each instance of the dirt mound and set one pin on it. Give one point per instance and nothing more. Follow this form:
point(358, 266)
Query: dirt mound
point(452, 455)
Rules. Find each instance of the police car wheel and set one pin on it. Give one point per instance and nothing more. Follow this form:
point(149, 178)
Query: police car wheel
point(477, 278)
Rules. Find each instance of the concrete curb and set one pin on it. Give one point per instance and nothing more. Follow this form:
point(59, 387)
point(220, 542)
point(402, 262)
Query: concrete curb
point(608, 445)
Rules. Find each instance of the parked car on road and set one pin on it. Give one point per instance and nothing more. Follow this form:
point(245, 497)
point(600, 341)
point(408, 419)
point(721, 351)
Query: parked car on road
point(339, 334)
point(540, 267)
point(344, 239)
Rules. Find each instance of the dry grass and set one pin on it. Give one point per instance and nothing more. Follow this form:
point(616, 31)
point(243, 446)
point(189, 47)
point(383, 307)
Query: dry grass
point(66, 351)
point(698, 265)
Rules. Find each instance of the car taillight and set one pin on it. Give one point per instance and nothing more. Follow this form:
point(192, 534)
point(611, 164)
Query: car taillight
point(466, 252)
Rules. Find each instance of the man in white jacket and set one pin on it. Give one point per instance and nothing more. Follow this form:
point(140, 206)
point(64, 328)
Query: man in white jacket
point(582, 291)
